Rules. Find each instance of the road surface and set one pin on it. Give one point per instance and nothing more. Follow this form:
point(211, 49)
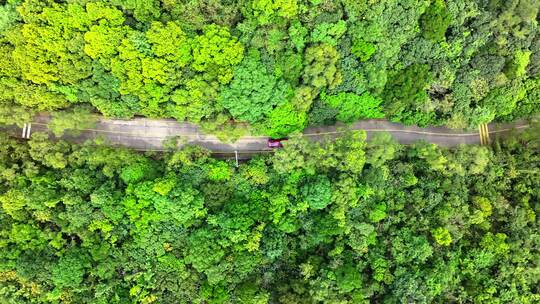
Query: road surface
point(148, 134)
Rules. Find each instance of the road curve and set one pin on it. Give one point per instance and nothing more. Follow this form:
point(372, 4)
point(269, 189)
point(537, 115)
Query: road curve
point(148, 134)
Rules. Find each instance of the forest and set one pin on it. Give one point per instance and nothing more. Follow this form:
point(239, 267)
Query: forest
point(276, 66)
point(342, 221)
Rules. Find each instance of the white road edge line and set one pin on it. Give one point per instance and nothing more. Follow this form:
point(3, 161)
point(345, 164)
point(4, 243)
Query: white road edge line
point(28, 130)
point(24, 131)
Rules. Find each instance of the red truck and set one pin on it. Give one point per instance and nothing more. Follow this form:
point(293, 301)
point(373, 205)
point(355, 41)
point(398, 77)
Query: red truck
point(275, 143)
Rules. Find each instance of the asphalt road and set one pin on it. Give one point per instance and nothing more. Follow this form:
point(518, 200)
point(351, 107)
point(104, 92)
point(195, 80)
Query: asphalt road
point(148, 134)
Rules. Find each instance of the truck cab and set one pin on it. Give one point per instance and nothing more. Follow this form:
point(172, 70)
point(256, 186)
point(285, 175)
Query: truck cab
point(275, 143)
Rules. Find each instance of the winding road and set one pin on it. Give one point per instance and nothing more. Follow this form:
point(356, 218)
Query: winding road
point(148, 134)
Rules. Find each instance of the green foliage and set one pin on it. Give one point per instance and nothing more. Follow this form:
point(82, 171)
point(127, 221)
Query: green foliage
point(219, 172)
point(102, 39)
point(377, 214)
point(442, 236)
point(8, 16)
point(518, 67)
point(14, 114)
point(266, 10)
point(352, 107)
point(322, 114)
point(283, 120)
point(170, 42)
point(289, 67)
point(137, 172)
point(340, 221)
point(51, 155)
point(527, 106)
point(435, 21)
point(253, 92)
point(76, 119)
point(380, 149)
point(317, 192)
point(431, 62)
point(149, 79)
point(195, 101)
point(405, 91)
point(321, 67)
point(363, 50)
point(216, 51)
point(50, 44)
point(69, 271)
point(297, 33)
point(329, 33)
point(503, 100)
point(143, 10)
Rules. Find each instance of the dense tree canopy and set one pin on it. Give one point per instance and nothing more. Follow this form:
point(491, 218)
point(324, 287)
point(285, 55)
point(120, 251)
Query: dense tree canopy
point(343, 221)
point(428, 62)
